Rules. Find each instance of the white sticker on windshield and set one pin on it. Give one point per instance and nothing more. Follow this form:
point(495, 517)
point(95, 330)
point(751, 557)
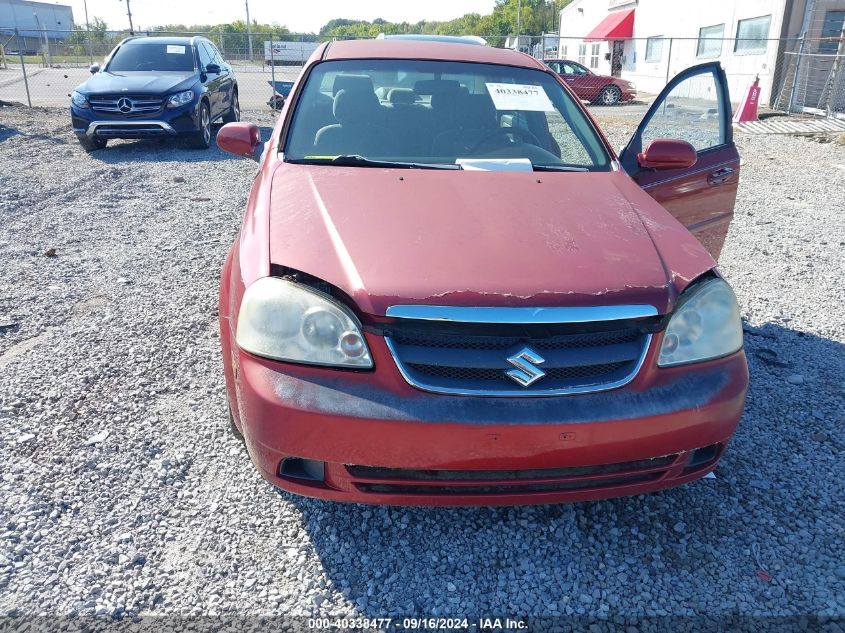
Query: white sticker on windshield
point(520, 97)
point(175, 49)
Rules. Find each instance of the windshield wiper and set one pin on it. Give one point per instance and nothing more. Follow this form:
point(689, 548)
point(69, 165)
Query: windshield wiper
point(559, 168)
point(356, 160)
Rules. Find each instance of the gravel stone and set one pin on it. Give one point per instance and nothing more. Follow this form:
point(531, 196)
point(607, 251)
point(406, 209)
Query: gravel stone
point(90, 353)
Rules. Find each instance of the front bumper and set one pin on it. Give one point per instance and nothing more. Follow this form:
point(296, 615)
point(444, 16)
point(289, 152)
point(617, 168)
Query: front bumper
point(165, 123)
point(381, 440)
point(129, 129)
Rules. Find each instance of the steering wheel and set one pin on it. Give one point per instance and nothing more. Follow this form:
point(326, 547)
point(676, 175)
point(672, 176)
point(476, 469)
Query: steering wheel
point(525, 135)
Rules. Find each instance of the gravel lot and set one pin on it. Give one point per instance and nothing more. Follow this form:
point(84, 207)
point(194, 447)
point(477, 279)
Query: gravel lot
point(123, 492)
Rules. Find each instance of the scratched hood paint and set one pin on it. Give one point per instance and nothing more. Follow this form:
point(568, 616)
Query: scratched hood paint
point(389, 237)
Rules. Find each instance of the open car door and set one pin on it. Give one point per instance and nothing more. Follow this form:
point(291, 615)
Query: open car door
point(694, 107)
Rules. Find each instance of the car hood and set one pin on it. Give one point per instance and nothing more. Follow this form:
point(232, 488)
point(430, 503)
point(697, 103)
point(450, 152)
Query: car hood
point(391, 237)
point(138, 82)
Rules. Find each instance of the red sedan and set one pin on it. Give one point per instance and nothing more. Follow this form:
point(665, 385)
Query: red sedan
point(448, 289)
point(598, 89)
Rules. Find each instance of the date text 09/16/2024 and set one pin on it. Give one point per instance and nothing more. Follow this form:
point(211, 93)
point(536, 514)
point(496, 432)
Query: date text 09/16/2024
point(418, 624)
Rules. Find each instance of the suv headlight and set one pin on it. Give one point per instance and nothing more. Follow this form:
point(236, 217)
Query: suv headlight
point(79, 99)
point(180, 99)
point(287, 321)
point(705, 325)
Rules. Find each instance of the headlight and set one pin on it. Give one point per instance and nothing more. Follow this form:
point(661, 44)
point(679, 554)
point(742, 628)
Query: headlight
point(706, 325)
point(286, 321)
point(79, 99)
point(180, 99)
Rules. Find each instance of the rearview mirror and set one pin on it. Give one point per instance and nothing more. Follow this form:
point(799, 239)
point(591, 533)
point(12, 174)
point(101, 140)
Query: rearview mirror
point(94, 69)
point(240, 139)
point(664, 153)
point(213, 69)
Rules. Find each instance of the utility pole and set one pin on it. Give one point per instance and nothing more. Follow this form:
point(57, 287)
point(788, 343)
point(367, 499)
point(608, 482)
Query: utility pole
point(129, 14)
point(88, 33)
point(518, 22)
point(46, 44)
point(248, 30)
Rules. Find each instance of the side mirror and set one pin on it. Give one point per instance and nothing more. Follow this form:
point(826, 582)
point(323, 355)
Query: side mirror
point(94, 69)
point(240, 139)
point(213, 69)
point(664, 153)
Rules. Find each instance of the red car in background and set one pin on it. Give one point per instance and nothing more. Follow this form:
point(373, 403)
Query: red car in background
point(447, 289)
point(597, 89)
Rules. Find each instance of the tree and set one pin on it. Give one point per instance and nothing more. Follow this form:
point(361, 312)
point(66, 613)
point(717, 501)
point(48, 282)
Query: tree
point(535, 17)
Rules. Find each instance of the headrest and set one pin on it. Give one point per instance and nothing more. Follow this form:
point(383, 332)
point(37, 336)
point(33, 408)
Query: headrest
point(478, 111)
point(352, 82)
point(449, 102)
point(401, 95)
point(354, 106)
point(436, 86)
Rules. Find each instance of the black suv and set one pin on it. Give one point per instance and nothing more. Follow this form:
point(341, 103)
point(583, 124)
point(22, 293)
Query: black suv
point(156, 87)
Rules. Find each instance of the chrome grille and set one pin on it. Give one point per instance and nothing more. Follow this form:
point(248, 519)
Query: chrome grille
point(465, 358)
point(139, 104)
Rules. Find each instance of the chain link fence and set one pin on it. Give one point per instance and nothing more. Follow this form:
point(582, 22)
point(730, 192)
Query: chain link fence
point(805, 76)
point(43, 71)
point(793, 75)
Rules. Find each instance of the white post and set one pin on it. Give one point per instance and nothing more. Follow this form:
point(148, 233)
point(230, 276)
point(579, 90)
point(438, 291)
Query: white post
point(248, 31)
point(88, 33)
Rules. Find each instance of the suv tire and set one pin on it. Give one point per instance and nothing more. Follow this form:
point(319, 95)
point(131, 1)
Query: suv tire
point(234, 113)
point(201, 139)
point(92, 143)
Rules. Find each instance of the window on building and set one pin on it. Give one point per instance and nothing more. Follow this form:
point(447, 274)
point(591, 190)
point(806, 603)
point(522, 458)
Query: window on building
point(594, 56)
point(834, 22)
point(710, 41)
point(582, 54)
point(654, 48)
point(752, 35)
point(564, 51)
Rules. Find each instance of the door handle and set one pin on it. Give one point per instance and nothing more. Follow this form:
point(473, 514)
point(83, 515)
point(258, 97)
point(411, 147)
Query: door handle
point(721, 176)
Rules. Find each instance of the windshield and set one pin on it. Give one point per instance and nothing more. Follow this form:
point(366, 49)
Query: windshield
point(152, 56)
point(430, 113)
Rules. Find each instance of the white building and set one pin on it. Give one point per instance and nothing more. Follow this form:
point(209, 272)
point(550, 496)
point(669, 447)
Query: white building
point(33, 19)
point(650, 41)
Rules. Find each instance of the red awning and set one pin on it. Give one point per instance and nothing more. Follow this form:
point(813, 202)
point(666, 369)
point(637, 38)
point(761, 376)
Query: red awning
point(616, 26)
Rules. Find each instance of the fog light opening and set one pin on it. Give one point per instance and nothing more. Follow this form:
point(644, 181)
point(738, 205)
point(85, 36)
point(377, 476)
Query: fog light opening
point(301, 468)
point(701, 456)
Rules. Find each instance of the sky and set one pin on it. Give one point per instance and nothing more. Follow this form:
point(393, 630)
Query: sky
point(299, 16)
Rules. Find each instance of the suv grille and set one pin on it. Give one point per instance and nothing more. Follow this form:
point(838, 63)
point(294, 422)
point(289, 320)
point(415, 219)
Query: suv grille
point(475, 359)
point(117, 104)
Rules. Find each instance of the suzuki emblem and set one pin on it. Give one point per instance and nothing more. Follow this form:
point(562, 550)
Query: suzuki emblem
point(526, 372)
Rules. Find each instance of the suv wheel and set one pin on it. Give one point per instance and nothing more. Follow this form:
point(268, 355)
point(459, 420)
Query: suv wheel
point(610, 95)
point(201, 139)
point(234, 113)
point(92, 143)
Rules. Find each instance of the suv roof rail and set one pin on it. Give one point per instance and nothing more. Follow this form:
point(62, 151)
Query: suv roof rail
point(449, 39)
